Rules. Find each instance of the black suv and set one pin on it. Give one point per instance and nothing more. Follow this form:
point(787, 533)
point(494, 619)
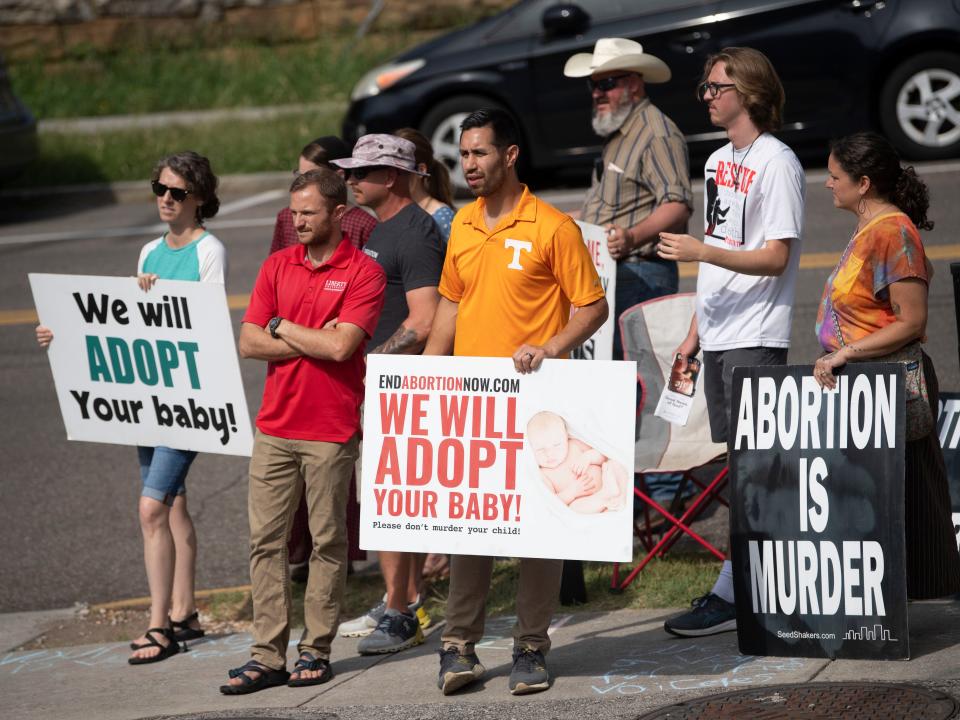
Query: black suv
point(847, 65)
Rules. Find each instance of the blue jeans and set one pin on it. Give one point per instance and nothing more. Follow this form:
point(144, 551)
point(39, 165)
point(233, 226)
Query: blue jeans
point(163, 472)
point(638, 282)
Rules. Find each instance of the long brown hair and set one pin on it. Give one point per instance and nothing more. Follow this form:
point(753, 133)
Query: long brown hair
point(757, 84)
point(438, 183)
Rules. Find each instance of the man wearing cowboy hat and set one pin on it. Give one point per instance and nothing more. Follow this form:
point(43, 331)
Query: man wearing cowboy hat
point(641, 185)
point(406, 243)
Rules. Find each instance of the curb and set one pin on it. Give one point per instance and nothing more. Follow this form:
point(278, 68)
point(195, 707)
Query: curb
point(146, 121)
point(141, 602)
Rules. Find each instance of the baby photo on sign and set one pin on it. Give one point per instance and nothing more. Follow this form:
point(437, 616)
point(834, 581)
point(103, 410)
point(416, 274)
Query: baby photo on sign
point(581, 477)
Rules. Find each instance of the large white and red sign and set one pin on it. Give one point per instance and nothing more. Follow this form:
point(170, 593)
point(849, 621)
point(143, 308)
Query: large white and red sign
point(464, 455)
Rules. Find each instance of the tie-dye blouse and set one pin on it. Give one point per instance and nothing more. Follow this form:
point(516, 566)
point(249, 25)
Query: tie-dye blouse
point(856, 298)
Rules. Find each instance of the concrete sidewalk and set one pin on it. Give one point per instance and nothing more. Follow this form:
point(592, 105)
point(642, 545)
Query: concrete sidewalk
point(617, 664)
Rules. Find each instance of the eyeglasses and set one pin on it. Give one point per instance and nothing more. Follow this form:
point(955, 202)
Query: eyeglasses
point(606, 84)
point(178, 194)
point(713, 89)
point(360, 173)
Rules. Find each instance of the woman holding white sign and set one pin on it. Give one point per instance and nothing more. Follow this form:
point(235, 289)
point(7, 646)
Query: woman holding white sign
point(874, 307)
point(185, 187)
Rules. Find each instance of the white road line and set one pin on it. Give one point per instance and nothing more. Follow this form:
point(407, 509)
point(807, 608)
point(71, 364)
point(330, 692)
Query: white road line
point(252, 201)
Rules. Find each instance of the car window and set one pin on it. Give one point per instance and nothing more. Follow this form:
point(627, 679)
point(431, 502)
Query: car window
point(526, 20)
point(523, 21)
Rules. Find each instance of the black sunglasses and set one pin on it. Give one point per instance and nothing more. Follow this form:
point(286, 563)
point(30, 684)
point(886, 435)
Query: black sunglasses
point(714, 89)
point(360, 173)
point(178, 194)
point(606, 84)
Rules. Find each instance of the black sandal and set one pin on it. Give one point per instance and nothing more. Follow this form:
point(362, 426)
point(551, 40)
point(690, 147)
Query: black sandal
point(266, 679)
point(306, 661)
point(171, 648)
point(182, 630)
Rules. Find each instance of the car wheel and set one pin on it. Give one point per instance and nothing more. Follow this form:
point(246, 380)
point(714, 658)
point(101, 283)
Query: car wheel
point(442, 126)
point(920, 106)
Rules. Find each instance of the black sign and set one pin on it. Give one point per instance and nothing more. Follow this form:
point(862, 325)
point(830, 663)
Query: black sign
point(948, 428)
point(816, 512)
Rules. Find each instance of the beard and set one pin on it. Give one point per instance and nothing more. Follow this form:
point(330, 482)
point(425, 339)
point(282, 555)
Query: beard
point(609, 122)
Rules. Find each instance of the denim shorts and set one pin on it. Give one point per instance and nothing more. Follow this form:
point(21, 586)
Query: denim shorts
point(163, 472)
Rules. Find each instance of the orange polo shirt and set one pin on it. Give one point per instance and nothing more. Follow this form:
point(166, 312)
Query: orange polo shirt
point(516, 283)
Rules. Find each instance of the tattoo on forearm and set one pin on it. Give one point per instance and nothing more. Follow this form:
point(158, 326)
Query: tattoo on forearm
point(402, 342)
point(896, 309)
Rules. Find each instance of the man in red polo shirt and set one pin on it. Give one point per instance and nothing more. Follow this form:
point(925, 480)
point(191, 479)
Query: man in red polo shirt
point(311, 312)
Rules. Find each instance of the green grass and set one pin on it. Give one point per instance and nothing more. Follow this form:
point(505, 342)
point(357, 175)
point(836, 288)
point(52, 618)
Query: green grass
point(667, 583)
point(240, 75)
point(233, 147)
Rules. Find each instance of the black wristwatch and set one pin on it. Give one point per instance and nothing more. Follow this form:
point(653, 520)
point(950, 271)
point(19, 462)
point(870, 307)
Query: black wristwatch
point(273, 325)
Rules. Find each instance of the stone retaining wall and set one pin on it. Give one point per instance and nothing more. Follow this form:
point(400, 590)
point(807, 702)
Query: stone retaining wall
point(48, 27)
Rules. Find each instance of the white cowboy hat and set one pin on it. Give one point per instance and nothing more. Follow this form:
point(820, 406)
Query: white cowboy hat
point(618, 54)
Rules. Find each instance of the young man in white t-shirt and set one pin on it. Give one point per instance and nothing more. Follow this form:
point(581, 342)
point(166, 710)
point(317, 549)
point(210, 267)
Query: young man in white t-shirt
point(753, 221)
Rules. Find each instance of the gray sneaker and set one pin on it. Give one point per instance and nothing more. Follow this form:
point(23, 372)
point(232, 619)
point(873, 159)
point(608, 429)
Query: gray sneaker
point(367, 623)
point(529, 673)
point(711, 614)
point(395, 632)
point(457, 671)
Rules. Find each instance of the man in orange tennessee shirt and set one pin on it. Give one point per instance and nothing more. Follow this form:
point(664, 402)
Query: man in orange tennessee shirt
point(514, 267)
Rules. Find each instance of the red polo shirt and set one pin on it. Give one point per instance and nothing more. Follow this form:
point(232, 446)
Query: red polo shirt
point(305, 398)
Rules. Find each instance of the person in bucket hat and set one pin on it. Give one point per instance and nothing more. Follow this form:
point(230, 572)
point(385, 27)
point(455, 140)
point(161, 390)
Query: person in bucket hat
point(407, 244)
point(382, 150)
point(641, 183)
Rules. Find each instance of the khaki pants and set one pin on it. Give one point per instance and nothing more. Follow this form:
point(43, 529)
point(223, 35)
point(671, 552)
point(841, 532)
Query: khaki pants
point(280, 470)
point(537, 598)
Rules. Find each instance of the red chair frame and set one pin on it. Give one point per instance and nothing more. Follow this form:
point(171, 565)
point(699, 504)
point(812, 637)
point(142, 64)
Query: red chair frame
point(709, 491)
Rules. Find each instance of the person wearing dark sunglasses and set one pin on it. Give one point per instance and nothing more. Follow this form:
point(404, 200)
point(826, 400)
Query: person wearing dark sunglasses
point(186, 195)
point(641, 182)
point(408, 246)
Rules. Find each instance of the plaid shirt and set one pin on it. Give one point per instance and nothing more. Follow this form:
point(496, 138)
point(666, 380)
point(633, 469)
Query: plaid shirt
point(644, 165)
point(356, 225)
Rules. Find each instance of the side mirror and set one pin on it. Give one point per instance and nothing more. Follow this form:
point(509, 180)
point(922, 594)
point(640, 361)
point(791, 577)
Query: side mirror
point(564, 19)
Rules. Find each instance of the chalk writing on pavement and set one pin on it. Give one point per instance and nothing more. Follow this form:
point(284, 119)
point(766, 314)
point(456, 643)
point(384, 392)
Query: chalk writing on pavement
point(114, 654)
point(688, 667)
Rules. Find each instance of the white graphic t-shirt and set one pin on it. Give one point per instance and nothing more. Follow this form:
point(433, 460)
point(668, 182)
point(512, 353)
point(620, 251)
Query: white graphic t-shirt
point(750, 196)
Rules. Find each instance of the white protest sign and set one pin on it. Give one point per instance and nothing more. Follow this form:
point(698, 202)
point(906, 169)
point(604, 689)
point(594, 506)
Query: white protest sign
point(600, 345)
point(464, 455)
point(144, 368)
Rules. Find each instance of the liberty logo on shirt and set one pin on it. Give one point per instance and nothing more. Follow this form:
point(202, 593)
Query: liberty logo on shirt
point(335, 285)
point(517, 246)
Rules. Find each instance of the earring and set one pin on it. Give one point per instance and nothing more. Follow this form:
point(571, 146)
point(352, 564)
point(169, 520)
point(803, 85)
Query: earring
point(861, 206)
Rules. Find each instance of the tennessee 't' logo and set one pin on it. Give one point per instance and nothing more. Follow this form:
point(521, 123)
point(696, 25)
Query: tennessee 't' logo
point(517, 246)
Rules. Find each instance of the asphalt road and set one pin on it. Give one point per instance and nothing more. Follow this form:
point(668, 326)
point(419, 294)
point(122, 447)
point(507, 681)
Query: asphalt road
point(68, 522)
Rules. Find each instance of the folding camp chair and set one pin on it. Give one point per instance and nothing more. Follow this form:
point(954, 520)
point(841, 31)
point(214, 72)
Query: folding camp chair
point(651, 331)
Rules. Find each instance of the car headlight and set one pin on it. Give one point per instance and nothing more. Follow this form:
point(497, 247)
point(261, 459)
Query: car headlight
point(382, 77)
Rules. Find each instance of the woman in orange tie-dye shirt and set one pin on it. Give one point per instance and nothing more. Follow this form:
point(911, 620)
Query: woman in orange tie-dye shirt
point(875, 303)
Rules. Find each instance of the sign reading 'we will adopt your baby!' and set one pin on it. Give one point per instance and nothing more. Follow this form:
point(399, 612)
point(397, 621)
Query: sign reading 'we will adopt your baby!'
point(150, 368)
point(465, 455)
